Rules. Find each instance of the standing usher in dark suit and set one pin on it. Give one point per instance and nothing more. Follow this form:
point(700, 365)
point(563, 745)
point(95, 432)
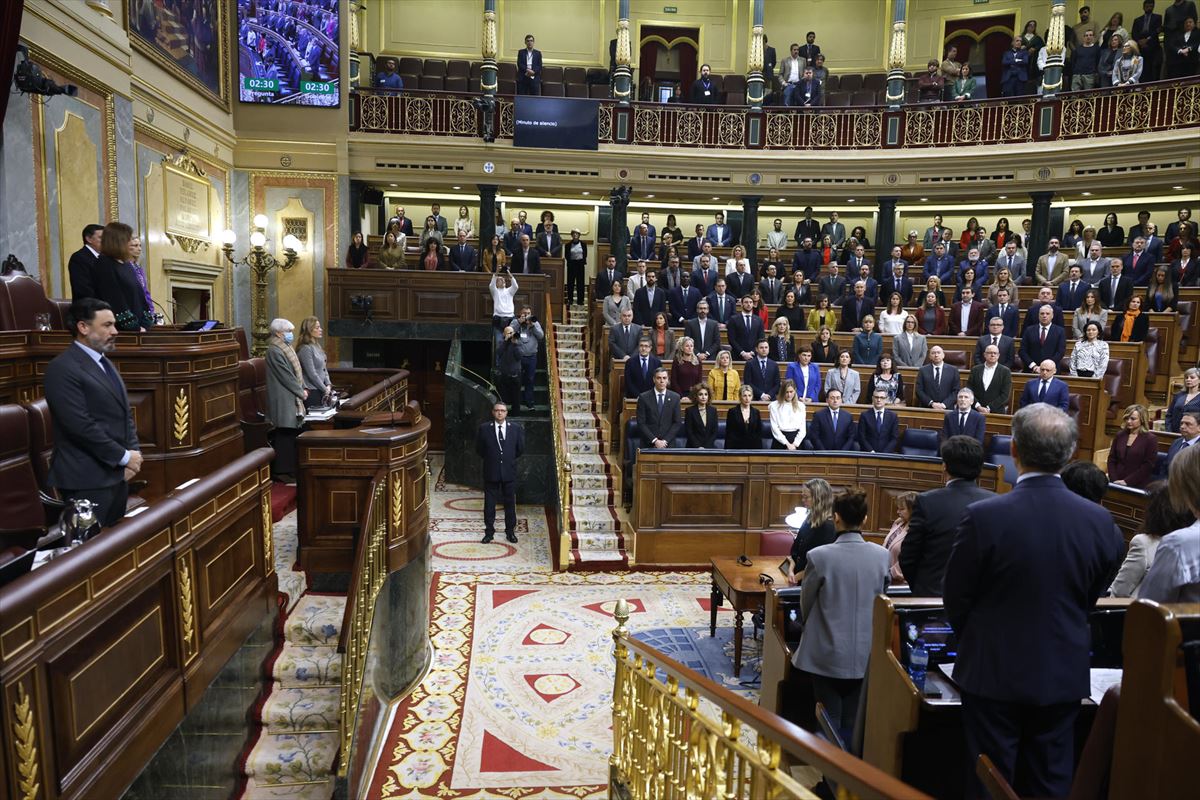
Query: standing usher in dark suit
point(935, 518)
point(529, 60)
point(81, 268)
point(1025, 569)
point(93, 430)
point(500, 454)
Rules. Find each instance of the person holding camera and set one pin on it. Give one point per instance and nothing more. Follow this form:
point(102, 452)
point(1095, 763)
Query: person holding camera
point(503, 288)
point(527, 332)
point(508, 368)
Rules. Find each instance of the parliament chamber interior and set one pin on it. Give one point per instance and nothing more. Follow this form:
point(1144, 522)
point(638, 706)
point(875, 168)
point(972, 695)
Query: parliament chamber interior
point(834, 369)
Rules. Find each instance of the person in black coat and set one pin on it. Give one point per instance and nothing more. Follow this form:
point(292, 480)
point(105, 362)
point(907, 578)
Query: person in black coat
point(115, 282)
point(1024, 572)
point(499, 443)
point(463, 257)
point(936, 514)
point(831, 428)
point(963, 419)
point(96, 450)
point(761, 373)
point(607, 276)
point(704, 91)
point(639, 370)
point(529, 69)
point(700, 420)
point(818, 528)
point(743, 424)
point(878, 427)
point(83, 263)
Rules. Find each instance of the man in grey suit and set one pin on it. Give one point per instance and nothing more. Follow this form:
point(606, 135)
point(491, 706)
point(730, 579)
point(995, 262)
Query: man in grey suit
point(1013, 261)
point(936, 514)
point(95, 445)
point(658, 415)
point(623, 338)
point(835, 230)
point(937, 382)
point(705, 332)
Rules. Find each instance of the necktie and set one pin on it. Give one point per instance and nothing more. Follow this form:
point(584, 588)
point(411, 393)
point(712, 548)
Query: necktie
point(1002, 307)
point(1072, 287)
point(660, 404)
point(834, 416)
point(626, 330)
point(1043, 338)
point(996, 341)
point(937, 375)
point(110, 372)
point(879, 418)
point(500, 436)
point(962, 420)
point(645, 366)
point(762, 367)
point(1041, 391)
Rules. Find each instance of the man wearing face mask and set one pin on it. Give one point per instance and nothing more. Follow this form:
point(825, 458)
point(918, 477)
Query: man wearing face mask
point(285, 398)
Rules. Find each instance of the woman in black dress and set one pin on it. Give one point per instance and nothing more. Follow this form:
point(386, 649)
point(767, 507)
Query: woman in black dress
point(700, 420)
point(743, 423)
point(356, 253)
point(116, 283)
point(825, 350)
point(1112, 234)
point(818, 528)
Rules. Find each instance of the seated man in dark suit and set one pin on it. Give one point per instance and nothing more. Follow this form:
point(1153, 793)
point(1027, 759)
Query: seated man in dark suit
point(463, 257)
point(682, 300)
point(648, 301)
point(1043, 341)
point(83, 262)
point(935, 516)
point(878, 426)
point(658, 416)
point(1028, 566)
point(808, 92)
point(963, 419)
point(639, 370)
point(1007, 311)
point(1047, 389)
point(831, 427)
point(744, 329)
point(704, 332)
point(762, 373)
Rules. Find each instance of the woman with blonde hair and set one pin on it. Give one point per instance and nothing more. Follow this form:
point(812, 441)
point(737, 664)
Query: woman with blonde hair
point(1003, 281)
point(313, 364)
point(1134, 450)
point(782, 349)
point(738, 258)
point(818, 529)
point(786, 414)
point(743, 423)
point(463, 223)
point(686, 369)
point(723, 379)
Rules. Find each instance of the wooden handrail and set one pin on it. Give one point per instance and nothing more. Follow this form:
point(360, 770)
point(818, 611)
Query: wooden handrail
point(360, 556)
point(562, 465)
point(853, 775)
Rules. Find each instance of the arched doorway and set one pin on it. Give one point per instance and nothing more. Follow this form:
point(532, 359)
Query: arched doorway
point(981, 42)
point(666, 55)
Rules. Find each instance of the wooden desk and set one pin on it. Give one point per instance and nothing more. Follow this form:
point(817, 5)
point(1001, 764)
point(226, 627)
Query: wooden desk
point(419, 296)
point(740, 584)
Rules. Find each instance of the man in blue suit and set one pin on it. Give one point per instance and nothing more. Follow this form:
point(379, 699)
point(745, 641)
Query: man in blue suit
point(744, 330)
point(641, 247)
point(1045, 297)
point(762, 373)
point(682, 300)
point(721, 305)
point(888, 266)
point(720, 234)
point(1024, 573)
point(1043, 341)
point(963, 420)
point(463, 257)
point(705, 273)
point(1138, 263)
point(878, 427)
point(1072, 290)
point(639, 370)
point(499, 443)
point(1046, 389)
point(1015, 62)
point(941, 264)
point(529, 69)
point(807, 260)
point(899, 283)
point(1007, 312)
point(831, 428)
point(1189, 434)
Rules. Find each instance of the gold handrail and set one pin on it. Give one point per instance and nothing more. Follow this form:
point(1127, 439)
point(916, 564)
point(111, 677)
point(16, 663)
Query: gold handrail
point(370, 571)
point(666, 745)
point(562, 466)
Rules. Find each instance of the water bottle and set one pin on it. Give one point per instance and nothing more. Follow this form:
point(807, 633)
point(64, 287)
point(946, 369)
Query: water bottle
point(918, 662)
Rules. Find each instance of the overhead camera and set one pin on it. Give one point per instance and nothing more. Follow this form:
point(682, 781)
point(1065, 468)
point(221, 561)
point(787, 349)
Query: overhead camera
point(487, 105)
point(363, 302)
point(29, 78)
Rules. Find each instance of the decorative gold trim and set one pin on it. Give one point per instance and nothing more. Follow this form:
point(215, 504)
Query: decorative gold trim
point(268, 535)
point(182, 416)
point(25, 745)
point(187, 607)
point(110, 142)
point(147, 49)
point(397, 505)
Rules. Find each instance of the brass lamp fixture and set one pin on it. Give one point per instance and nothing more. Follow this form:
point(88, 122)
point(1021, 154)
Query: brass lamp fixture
point(261, 263)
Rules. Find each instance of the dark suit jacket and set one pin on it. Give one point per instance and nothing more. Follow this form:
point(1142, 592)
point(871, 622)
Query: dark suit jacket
point(852, 314)
point(1025, 569)
point(763, 382)
point(698, 96)
point(1116, 301)
point(1069, 299)
point(641, 252)
point(1011, 317)
point(635, 381)
point(739, 284)
point(712, 336)
point(706, 282)
point(1138, 269)
point(464, 258)
point(644, 310)
point(695, 246)
point(808, 229)
point(553, 248)
point(1005, 346)
point(809, 262)
point(1034, 352)
point(652, 425)
point(742, 338)
point(683, 303)
point(929, 392)
point(904, 287)
point(1141, 327)
point(499, 466)
point(926, 546)
point(771, 293)
point(621, 344)
point(604, 285)
point(1175, 448)
point(93, 425)
point(943, 268)
point(740, 435)
point(822, 436)
point(873, 438)
point(1056, 394)
point(529, 60)
point(808, 93)
point(701, 431)
point(517, 265)
point(995, 397)
point(721, 313)
point(722, 238)
point(973, 428)
point(81, 268)
point(975, 319)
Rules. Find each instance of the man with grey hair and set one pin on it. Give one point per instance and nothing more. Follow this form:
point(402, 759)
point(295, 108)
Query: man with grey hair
point(963, 419)
point(1024, 573)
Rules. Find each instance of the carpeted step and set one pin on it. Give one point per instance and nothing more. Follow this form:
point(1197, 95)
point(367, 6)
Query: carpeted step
point(302, 710)
point(590, 482)
point(581, 497)
point(590, 519)
point(316, 620)
point(322, 790)
point(584, 447)
point(301, 665)
point(291, 758)
point(588, 464)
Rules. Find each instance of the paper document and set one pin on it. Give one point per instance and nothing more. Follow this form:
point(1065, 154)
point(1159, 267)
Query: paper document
point(1101, 680)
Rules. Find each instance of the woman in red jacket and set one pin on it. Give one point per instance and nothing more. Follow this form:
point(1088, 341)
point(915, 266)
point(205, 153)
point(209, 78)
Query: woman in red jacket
point(1134, 450)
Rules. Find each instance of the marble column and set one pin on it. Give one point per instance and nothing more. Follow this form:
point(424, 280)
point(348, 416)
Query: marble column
point(885, 233)
point(1052, 75)
point(756, 85)
point(1039, 230)
point(896, 53)
point(487, 215)
point(618, 232)
point(749, 239)
point(622, 77)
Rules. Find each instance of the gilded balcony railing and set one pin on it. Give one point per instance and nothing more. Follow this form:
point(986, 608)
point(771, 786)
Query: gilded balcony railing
point(678, 735)
point(370, 571)
point(1163, 105)
point(562, 465)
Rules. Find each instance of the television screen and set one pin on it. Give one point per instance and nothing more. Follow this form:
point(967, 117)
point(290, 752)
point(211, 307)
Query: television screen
point(288, 52)
point(556, 122)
